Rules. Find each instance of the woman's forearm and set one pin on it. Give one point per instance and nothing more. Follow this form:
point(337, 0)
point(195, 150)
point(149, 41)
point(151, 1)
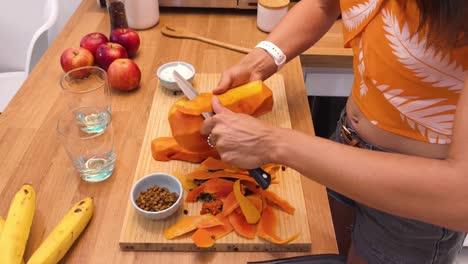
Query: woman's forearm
point(304, 25)
point(430, 190)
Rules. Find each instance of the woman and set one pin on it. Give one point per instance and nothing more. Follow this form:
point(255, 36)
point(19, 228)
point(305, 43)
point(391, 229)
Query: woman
point(408, 169)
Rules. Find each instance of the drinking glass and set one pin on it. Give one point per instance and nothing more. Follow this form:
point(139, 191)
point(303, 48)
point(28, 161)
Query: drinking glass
point(87, 87)
point(92, 151)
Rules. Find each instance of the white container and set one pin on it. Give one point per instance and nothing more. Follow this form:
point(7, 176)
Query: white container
point(165, 71)
point(162, 180)
point(270, 12)
point(142, 14)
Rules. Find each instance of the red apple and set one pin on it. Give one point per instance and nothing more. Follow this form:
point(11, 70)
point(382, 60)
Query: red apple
point(92, 41)
point(127, 38)
point(124, 75)
point(72, 58)
point(108, 52)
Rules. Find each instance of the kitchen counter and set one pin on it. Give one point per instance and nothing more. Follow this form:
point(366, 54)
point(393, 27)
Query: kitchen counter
point(32, 153)
point(329, 51)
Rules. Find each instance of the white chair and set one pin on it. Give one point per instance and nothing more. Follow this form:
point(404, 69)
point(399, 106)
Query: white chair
point(23, 27)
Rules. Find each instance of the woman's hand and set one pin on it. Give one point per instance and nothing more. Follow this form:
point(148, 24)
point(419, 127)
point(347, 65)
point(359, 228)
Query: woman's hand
point(241, 140)
point(257, 65)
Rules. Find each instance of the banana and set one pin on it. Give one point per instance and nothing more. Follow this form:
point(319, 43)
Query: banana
point(2, 224)
point(17, 226)
point(64, 234)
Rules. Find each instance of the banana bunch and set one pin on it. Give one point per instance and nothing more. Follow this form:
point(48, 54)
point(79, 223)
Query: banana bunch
point(14, 232)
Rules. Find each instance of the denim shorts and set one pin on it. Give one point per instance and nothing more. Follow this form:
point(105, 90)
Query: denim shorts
point(383, 238)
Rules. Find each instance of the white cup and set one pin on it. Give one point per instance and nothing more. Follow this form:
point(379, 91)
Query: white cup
point(142, 14)
point(270, 12)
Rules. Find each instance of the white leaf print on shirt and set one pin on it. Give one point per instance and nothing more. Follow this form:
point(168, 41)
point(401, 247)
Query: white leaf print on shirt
point(354, 16)
point(428, 64)
point(361, 68)
point(433, 122)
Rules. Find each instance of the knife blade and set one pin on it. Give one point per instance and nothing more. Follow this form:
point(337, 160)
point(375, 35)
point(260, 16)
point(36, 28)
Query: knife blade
point(188, 90)
point(262, 177)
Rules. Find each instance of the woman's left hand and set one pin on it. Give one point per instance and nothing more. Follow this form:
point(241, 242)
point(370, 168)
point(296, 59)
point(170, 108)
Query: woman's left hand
point(241, 140)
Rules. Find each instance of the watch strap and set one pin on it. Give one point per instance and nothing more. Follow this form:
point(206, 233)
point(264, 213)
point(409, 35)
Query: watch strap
point(275, 52)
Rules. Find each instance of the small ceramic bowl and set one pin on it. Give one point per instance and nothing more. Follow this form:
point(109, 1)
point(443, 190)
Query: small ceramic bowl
point(165, 74)
point(162, 180)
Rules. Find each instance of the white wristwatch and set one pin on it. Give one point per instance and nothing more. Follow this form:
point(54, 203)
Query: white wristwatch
point(275, 52)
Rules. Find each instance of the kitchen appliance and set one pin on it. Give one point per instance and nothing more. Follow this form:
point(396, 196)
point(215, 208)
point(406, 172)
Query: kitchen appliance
point(239, 4)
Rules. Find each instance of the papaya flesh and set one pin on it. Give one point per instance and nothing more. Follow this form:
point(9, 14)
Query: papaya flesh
point(185, 119)
point(190, 223)
point(217, 187)
point(266, 228)
point(166, 149)
point(206, 237)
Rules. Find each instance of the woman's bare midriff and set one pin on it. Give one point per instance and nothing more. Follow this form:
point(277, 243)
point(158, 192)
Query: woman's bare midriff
point(388, 140)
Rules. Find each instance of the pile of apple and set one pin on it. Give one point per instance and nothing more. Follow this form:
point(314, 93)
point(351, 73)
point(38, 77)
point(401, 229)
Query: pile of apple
point(112, 56)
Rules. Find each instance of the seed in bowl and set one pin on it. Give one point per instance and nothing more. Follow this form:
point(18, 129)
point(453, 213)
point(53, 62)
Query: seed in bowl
point(156, 199)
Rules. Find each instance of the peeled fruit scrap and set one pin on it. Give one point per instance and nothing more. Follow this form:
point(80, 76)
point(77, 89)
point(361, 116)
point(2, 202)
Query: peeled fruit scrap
point(187, 184)
point(166, 149)
point(240, 225)
point(250, 211)
point(190, 223)
point(218, 187)
point(206, 175)
point(206, 237)
point(214, 164)
point(278, 201)
point(185, 119)
point(229, 205)
point(256, 200)
point(267, 227)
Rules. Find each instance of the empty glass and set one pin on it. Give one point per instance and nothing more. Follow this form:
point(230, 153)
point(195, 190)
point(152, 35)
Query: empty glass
point(87, 87)
point(91, 150)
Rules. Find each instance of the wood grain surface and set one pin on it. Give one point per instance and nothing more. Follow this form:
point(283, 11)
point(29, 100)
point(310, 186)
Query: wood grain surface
point(31, 152)
point(139, 233)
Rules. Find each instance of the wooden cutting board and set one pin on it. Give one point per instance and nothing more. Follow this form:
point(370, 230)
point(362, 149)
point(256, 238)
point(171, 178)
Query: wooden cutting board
point(140, 234)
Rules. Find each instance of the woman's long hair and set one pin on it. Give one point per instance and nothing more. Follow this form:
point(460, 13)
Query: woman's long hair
point(446, 21)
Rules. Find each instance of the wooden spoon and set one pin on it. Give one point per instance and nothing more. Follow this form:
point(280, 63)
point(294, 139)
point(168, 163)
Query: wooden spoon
point(177, 32)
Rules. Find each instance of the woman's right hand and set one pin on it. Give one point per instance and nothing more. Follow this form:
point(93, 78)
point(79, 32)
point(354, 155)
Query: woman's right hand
point(257, 65)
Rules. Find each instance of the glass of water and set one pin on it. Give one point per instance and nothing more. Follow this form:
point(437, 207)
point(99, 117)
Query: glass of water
point(87, 87)
point(90, 149)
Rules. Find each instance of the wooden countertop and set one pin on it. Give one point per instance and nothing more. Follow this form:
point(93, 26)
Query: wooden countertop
point(329, 51)
point(32, 153)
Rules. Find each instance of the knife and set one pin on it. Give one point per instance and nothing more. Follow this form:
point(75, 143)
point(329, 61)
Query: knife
point(262, 177)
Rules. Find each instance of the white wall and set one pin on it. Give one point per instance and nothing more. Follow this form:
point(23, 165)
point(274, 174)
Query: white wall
point(66, 9)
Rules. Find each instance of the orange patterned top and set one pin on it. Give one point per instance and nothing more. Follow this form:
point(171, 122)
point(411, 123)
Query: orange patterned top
point(401, 84)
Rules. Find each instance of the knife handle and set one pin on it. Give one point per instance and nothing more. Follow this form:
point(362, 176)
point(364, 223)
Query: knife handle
point(262, 177)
